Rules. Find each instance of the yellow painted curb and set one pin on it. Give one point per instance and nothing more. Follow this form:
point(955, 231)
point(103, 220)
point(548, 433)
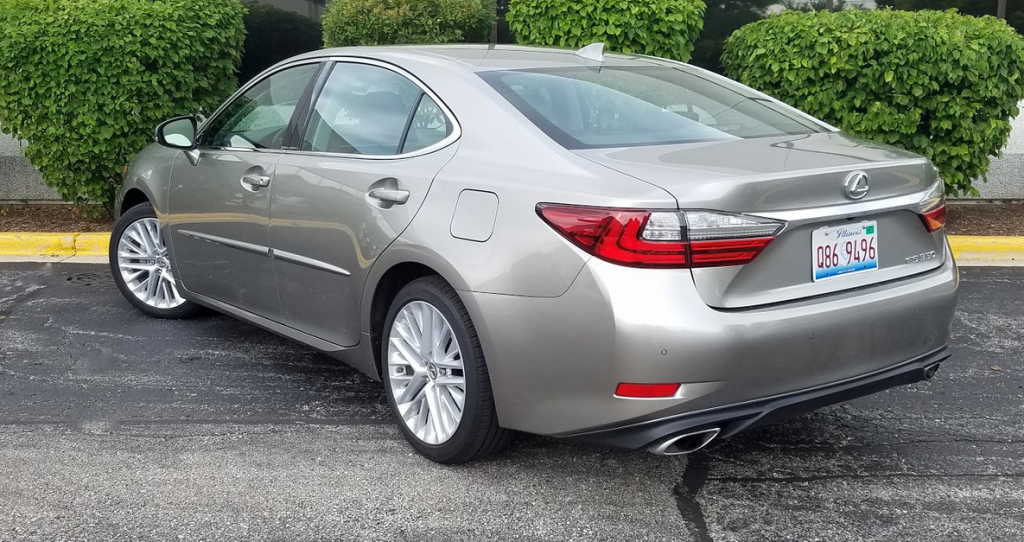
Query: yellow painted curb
point(53, 244)
point(969, 248)
point(37, 244)
point(966, 248)
point(92, 244)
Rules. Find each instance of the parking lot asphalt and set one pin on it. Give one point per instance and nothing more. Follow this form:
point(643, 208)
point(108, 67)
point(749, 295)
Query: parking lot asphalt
point(114, 426)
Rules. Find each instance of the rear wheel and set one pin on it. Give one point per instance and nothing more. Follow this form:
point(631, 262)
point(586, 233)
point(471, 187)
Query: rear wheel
point(140, 265)
point(436, 379)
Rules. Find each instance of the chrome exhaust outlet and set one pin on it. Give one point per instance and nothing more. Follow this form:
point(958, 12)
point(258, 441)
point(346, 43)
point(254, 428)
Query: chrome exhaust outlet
point(686, 443)
point(929, 372)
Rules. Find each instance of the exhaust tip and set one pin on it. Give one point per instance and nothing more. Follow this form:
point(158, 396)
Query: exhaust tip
point(929, 372)
point(685, 443)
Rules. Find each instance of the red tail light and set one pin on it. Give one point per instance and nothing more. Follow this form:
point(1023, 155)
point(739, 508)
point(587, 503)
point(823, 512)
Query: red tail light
point(677, 239)
point(646, 391)
point(933, 207)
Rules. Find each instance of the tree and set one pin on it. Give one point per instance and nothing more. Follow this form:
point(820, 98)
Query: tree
point(977, 8)
point(813, 5)
point(721, 19)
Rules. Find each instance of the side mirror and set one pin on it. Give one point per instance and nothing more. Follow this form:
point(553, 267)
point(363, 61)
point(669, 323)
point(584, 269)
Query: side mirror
point(178, 133)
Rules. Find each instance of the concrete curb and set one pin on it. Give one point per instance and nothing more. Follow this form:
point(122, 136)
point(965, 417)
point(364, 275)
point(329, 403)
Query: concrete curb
point(968, 249)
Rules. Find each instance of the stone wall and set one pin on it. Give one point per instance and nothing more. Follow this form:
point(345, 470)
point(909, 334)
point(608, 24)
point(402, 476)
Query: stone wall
point(19, 181)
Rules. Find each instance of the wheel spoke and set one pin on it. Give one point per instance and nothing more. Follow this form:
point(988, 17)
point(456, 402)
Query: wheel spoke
point(408, 355)
point(450, 380)
point(413, 390)
point(435, 412)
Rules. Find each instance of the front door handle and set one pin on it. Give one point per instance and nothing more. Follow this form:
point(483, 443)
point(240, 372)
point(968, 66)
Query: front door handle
point(255, 181)
point(392, 195)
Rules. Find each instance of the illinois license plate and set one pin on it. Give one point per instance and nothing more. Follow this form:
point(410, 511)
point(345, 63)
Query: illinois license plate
point(844, 250)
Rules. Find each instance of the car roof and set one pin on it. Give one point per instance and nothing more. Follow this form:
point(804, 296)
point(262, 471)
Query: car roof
point(482, 57)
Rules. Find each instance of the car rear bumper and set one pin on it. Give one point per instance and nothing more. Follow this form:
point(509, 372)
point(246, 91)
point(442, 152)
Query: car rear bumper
point(555, 363)
point(732, 419)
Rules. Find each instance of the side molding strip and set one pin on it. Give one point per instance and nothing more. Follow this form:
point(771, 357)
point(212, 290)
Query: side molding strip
point(267, 251)
point(308, 262)
point(247, 247)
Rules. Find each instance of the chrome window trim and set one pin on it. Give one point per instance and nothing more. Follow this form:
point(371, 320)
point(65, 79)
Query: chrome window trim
point(238, 93)
point(451, 138)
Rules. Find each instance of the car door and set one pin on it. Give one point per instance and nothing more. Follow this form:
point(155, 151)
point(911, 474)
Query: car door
point(374, 140)
point(219, 207)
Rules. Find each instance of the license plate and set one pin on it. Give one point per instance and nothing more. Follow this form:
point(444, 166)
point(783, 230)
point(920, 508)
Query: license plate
point(844, 250)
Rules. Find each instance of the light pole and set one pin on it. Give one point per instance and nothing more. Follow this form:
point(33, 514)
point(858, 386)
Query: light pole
point(1001, 10)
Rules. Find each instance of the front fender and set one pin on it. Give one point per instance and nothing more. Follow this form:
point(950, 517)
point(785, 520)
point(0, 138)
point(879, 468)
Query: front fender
point(149, 173)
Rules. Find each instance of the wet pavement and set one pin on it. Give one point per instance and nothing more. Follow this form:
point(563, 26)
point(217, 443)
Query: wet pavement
point(114, 426)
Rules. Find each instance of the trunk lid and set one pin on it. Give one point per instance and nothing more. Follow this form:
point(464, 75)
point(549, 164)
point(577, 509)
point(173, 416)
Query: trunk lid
point(800, 180)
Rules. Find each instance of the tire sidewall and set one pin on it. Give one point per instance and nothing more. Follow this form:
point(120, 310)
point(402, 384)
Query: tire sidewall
point(139, 212)
point(417, 291)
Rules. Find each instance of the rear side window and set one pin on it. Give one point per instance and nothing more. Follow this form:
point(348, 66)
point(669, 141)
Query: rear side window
point(621, 107)
point(429, 126)
point(365, 109)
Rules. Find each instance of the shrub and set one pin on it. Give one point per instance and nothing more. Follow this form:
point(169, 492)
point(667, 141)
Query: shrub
point(665, 28)
point(383, 22)
point(86, 81)
point(939, 84)
point(273, 34)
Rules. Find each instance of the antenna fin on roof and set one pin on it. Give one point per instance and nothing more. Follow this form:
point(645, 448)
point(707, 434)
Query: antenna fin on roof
point(594, 51)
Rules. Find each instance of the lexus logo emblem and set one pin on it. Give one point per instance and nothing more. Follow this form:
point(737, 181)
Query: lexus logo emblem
point(856, 185)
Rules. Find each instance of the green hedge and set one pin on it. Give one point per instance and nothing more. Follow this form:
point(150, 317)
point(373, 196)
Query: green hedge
point(665, 28)
point(273, 34)
point(385, 22)
point(936, 83)
point(87, 81)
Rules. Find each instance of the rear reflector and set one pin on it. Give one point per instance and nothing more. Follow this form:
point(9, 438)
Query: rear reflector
point(675, 239)
point(646, 391)
point(933, 207)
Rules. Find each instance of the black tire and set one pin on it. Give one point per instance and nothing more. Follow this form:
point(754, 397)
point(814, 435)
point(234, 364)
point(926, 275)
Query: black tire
point(479, 434)
point(187, 309)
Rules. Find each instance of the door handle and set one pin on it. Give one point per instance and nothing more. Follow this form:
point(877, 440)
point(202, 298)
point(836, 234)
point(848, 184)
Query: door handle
point(254, 181)
point(392, 195)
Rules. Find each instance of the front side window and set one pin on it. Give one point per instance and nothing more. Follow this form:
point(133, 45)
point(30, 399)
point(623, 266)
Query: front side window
point(620, 107)
point(368, 110)
point(258, 119)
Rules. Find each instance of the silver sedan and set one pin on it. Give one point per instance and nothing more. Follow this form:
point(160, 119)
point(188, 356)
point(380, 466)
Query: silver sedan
point(616, 248)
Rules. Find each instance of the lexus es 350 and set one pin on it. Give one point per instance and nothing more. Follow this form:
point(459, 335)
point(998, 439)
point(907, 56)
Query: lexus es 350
point(622, 249)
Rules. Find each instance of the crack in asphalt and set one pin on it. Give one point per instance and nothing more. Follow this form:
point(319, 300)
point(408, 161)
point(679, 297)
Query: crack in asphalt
point(694, 478)
point(10, 303)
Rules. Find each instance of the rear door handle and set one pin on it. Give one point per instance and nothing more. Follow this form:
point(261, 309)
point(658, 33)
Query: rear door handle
point(255, 181)
point(392, 195)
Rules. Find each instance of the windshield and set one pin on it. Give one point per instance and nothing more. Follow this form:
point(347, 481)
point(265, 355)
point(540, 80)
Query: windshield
point(622, 107)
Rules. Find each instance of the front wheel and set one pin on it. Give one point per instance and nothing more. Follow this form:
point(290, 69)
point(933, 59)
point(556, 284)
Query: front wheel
point(434, 371)
point(141, 269)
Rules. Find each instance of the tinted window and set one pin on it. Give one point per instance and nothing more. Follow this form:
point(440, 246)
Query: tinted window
point(362, 109)
point(258, 118)
point(617, 107)
point(429, 126)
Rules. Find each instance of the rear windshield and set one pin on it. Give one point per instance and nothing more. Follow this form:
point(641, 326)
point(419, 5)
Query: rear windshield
point(622, 107)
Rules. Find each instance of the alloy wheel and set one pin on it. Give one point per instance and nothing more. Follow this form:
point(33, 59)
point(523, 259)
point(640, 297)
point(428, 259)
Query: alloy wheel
point(425, 373)
point(144, 266)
